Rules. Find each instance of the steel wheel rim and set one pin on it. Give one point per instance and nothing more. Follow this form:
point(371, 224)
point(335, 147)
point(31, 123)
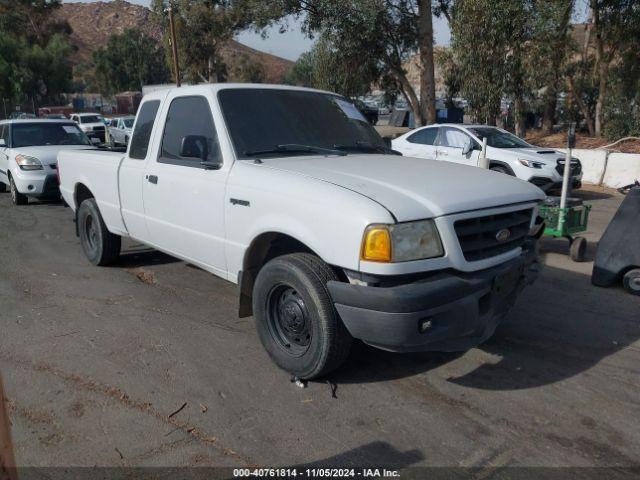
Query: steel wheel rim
point(288, 320)
point(91, 233)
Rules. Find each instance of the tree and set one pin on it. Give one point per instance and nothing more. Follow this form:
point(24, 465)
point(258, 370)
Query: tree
point(248, 70)
point(327, 67)
point(381, 35)
point(128, 62)
point(494, 67)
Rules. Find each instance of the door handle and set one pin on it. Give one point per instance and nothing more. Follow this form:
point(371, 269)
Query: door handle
point(152, 179)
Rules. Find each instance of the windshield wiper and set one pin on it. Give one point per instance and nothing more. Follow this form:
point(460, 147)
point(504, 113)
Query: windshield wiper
point(295, 148)
point(363, 146)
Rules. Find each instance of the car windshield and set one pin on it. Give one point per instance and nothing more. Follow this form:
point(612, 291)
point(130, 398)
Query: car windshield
point(498, 138)
point(270, 121)
point(91, 119)
point(129, 122)
point(41, 134)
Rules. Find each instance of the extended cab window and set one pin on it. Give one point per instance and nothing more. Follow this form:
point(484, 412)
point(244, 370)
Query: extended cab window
point(142, 133)
point(189, 136)
point(426, 136)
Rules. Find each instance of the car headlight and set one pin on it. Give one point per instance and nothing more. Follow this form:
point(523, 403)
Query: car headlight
point(25, 162)
point(530, 163)
point(402, 242)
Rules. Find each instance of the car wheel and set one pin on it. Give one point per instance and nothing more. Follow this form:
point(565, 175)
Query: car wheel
point(578, 249)
point(501, 169)
point(100, 245)
point(295, 317)
point(631, 281)
point(16, 197)
point(3, 187)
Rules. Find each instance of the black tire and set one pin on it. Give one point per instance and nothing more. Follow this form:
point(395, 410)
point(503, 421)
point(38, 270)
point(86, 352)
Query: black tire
point(631, 281)
point(16, 197)
point(100, 245)
point(578, 249)
point(3, 187)
point(295, 317)
point(501, 169)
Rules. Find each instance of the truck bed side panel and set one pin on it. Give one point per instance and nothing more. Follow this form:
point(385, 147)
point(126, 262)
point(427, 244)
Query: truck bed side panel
point(98, 172)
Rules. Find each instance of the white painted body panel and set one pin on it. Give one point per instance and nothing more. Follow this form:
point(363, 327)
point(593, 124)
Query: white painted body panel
point(325, 202)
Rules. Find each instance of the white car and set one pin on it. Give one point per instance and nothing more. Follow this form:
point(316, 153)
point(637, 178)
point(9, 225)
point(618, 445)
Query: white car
point(291, 194)
point(90, 123)
point(120, 129)
point(28, 156)
point(506, 153)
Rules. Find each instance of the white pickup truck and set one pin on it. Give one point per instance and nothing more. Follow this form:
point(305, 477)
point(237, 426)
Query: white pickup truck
point(292, 195)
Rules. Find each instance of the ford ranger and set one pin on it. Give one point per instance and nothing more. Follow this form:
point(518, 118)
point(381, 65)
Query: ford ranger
point(291, 194)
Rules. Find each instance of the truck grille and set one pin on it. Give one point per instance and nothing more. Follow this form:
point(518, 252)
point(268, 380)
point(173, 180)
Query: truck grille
point(480, 237)
point(576, 167)
point(98, 129)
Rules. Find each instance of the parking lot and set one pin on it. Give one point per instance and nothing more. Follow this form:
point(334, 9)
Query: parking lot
point(146, 363)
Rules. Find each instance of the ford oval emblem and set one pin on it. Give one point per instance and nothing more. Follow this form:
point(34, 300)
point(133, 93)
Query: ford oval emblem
point(503, 235)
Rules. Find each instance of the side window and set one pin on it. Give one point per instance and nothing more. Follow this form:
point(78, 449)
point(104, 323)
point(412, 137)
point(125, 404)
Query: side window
point(142, 133)
point(426, 136)
point(189, 133)
point(452, 137)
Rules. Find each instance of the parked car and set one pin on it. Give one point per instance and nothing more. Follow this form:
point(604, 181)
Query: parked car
point(54, 116)
point(28, 151)
point(120, 129)
point(90, 123)
point(506, 152)
point(370, 112)
point(289, 193)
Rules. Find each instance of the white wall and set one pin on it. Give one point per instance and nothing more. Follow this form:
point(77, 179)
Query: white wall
point(609, 169)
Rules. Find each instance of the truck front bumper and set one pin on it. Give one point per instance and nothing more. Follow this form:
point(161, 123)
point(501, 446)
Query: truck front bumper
point(450, 311)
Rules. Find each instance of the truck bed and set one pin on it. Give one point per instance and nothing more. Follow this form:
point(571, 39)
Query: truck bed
point(97, 170)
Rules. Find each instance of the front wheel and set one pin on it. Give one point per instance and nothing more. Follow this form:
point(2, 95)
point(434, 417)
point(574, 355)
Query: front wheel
point(16, 197)
point(500, 169)
point(100, 245)
point(3, 187)
point(295, 317)
point(631, 281)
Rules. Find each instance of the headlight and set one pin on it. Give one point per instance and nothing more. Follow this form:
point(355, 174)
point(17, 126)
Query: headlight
point(26, 162)
point(401, 242)
point(530, 163)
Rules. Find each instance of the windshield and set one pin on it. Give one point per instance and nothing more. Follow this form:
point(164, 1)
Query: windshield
point(91, 119)
point(129, 122)
point(499, 139)
point(270, 121)
point(41, 134)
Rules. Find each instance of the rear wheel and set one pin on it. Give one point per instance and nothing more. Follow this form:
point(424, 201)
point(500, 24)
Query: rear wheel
point(100, 245)
point(578, 249)
point(295, 317)
point(631, 281)
point(16, 197)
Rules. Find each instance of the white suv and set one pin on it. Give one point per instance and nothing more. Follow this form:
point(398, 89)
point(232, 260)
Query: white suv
point(506, 152)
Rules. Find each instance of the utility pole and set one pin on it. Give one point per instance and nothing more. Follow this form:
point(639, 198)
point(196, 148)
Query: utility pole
point(174, 46)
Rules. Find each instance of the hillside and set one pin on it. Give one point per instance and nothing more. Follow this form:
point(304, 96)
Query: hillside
point(93, 24)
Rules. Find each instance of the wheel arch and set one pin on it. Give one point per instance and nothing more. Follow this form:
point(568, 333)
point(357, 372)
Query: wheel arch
point(499, 163)
point(264, 247)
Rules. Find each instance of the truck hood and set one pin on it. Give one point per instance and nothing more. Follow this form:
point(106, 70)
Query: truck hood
point(47, 154)
point(413, 188)
point(537, 154)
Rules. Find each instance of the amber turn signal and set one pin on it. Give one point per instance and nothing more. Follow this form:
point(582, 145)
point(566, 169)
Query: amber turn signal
point(376, 244)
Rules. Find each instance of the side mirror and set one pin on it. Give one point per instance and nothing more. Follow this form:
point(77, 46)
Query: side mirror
point(194, 146)
point(468, 147)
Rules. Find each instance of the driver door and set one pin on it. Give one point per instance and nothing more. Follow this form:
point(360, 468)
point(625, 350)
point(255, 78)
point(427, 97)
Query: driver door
point(451, 145)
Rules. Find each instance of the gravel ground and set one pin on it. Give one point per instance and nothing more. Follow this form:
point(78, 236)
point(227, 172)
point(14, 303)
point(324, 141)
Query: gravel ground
point(146, 363)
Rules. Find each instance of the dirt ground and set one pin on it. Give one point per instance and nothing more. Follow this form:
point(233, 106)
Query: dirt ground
point(145, 363)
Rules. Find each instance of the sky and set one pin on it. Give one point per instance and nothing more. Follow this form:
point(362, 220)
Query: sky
point(293, 43)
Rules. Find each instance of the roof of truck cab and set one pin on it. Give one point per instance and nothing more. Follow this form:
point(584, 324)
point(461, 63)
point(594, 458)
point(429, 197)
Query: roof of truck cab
point(216, 87)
